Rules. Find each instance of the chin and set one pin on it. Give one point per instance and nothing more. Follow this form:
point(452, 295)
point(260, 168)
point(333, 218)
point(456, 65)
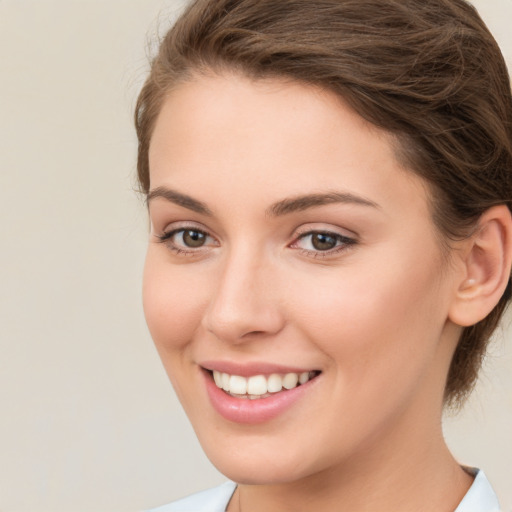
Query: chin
point(269, 472)
point(262, 465)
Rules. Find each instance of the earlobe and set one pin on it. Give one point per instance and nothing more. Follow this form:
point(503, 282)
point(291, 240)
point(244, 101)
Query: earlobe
point(487, 262)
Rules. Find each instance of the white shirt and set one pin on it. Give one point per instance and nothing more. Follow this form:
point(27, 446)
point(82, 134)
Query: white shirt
point(479, 498)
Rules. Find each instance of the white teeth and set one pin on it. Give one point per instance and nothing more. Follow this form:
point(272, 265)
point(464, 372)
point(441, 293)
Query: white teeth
point(237, 385)
point(225, 381)
point(259, 386)
point(274, 383)
point(217, 377)
point(290, 380)
point(304, 377)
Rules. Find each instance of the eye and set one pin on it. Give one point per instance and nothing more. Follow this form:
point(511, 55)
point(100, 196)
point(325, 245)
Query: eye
point(190, 238)
point(186, 240)
point(322, 242)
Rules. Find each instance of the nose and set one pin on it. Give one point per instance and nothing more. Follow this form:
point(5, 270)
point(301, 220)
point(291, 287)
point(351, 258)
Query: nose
point(245, 303)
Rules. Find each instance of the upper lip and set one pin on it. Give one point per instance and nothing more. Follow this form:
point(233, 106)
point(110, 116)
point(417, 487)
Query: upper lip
point(251, 368)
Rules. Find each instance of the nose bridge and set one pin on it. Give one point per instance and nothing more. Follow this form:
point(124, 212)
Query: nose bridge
point(244, 302)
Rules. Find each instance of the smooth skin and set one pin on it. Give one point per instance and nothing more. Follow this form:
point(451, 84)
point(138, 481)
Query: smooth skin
point(377, 306)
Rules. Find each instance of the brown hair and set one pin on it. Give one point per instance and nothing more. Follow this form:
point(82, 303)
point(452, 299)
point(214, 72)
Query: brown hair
point(428, 72)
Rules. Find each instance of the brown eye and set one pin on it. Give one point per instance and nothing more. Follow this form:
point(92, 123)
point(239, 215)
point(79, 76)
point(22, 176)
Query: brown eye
point(188, 241)
point(317, 242)
point(193, 238)
point(323, 241)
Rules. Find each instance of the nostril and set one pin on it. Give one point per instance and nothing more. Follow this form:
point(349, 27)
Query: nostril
point(254, 333)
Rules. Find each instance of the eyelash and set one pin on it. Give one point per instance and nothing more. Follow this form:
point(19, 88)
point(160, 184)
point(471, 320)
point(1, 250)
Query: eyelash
point(344, 241)
point(166, 238)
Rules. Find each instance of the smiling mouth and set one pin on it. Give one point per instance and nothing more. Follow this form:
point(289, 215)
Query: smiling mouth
point(260, 386)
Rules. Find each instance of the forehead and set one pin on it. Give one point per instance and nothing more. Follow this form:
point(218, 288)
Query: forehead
point(234, 136)
point(234, 106)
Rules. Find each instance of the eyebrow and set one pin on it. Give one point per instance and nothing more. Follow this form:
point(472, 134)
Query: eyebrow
point(283, 207)
point(179, 199)
point(304, 202)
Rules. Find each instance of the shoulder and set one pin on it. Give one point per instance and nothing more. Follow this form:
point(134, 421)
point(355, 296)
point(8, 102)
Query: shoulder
point(480, 496)
point(211, 500)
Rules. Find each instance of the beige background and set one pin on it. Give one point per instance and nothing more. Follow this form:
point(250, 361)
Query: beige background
point(88, 420)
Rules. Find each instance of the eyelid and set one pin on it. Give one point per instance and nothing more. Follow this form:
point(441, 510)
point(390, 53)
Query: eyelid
point(324, 228)
point(173, 227)
point(182, 224)
point(347, 240)
point(338, 236)
point(167, 234)
point(176, 227)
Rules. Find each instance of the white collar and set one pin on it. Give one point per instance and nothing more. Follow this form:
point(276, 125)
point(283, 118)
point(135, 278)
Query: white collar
point(480, 496)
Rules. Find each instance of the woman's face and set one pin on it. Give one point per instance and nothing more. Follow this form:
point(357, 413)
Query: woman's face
point(287, 243)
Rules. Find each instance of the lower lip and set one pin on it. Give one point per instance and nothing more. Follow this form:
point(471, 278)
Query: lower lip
point(260, 410)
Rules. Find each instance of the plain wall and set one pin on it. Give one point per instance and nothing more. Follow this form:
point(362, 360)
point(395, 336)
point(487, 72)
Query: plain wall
point(88, 419)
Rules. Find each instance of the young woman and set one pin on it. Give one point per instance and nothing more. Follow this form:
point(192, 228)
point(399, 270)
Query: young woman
point(329, 189)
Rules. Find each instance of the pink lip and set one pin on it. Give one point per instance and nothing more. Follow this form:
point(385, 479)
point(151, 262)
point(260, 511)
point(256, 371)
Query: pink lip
point(246, 411)
point(249, 369)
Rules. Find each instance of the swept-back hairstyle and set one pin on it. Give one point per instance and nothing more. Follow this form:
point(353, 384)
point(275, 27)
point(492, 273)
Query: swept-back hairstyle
point(427, 71)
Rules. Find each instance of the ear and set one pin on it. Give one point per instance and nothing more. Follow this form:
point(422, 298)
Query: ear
point(486, 260)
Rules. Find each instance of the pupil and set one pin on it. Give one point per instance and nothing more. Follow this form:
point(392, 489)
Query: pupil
point(193, 238)
point(323, 242)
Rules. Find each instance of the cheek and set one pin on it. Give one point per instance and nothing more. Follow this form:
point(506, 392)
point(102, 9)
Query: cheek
point(173, 301)
point(379, 324)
